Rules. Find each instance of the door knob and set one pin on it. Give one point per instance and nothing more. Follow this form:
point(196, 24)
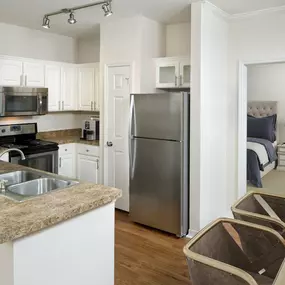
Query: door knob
point(109, 144)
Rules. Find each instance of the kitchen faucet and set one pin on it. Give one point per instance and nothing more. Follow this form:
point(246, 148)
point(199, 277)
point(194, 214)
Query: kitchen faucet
point(3, 182)
point(13, 149)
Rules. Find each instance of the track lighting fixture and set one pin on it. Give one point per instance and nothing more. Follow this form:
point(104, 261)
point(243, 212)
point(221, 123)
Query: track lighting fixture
point(71, 19)
point(46, 22)
point(106, 7)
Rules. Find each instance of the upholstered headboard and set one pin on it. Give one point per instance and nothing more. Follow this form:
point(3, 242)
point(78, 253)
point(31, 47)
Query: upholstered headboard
point(260, 109)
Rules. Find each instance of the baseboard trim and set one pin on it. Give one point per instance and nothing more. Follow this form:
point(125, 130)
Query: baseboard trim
point(192, 233)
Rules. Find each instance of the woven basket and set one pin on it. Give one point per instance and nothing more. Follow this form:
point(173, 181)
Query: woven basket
point(231, 252)
point(263, 209)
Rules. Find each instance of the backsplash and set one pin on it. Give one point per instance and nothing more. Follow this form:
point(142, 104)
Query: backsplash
point(60, 133)
point(52, 121)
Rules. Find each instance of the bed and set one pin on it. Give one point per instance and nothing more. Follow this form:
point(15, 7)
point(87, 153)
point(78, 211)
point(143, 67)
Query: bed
point(261, 153)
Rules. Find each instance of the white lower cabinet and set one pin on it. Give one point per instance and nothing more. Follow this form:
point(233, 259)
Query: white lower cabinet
point(66, 166)
point(66, 160)
point(88, 168)
point(79, 161)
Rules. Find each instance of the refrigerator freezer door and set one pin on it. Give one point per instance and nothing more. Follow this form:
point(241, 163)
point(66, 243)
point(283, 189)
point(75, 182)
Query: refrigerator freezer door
point(158, 186)
point(159, 116)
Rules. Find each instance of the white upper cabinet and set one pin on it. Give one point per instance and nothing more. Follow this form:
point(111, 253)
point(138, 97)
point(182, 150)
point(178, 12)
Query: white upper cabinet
point(11, 72)
point(61, 82)
point(71, 86)
point(185, 73)
point(173, 73)
point(68, 88)
point(97, 90)
point(167, 73)
point(88, 87)
point(34, 74)
point(53, 83)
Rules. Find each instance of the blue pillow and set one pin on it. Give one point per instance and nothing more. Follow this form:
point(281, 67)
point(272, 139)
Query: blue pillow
point(263, 128)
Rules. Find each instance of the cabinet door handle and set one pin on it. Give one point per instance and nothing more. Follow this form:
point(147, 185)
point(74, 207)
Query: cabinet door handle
point(176, 80)
point(91, 105)
point(21, 80)
point(87, 150)
point(95, 108)
point(60, 162)
point(58, 105)
point(181, 80)
point(62, 105)
point(26, 80)
point(97, 161)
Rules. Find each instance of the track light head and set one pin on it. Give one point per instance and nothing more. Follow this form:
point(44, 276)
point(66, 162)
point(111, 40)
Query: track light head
point(71, 19)
point(46, 22)
point(107, 9)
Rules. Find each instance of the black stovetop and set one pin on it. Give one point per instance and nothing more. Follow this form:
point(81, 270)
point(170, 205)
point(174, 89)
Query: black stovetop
point(31, 146)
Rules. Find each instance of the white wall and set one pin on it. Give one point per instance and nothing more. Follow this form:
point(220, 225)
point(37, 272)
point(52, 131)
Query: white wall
point(89, 49)
point(178, 39)
point(24, 42)
point(260, 37)
point(121, 43)
point(153, 45)
point(134, 40)
point(266, 83)
point(208, 115)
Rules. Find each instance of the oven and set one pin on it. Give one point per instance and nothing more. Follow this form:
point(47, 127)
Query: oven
point(46, 161)
point(23, 101)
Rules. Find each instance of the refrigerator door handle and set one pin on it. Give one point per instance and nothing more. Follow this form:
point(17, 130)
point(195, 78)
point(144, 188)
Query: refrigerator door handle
point(133, 154)
point(131, 136)
point(131, 119)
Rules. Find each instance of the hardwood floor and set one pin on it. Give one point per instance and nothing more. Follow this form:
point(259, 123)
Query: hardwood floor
point(146, 256)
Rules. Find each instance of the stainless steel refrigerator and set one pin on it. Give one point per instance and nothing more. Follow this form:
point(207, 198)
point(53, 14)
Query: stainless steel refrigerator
point(159, 161)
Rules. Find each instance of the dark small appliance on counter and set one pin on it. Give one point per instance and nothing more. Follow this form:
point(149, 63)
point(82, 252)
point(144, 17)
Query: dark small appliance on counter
point(91, 129)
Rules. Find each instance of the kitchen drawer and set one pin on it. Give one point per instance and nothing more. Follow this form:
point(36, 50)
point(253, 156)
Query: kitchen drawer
point(281, 162)
point(66, 149)
point(88, 150)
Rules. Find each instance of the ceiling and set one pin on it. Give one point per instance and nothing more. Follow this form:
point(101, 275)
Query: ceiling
point(29, 13)
point(245, 6)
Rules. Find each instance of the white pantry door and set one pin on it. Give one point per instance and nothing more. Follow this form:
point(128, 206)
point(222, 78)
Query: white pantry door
point(117, 126)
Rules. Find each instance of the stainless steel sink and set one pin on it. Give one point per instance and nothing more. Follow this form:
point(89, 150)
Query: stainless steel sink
point(24, 185)
point(19, 177)
point(39, 186)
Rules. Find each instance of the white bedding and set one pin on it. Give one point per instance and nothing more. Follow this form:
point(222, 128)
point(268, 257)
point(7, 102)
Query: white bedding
point(260, 150)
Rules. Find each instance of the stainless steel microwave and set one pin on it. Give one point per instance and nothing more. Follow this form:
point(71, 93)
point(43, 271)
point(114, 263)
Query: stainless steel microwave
point(23, 101)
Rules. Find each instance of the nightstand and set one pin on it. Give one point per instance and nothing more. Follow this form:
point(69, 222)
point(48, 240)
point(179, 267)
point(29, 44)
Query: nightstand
point(281, 157)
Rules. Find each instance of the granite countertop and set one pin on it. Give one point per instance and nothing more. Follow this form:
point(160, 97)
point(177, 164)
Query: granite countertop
point(19, 219)
point(65, 136)
point(72, 139)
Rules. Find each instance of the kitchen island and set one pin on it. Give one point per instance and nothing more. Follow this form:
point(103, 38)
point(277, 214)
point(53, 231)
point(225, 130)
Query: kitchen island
point(65, 237)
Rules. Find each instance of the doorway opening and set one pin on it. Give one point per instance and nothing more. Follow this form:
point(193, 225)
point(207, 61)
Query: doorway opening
point(261, 126)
